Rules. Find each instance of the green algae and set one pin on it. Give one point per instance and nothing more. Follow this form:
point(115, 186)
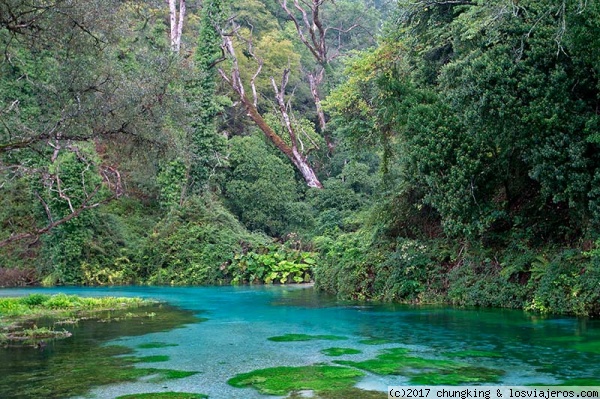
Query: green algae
point(153, 345)
point(375, 341)
point(340, 351)
point(168, 374)
point(81, 362)
point(473, 353)
point(397, 361)
point(19, 316)
point(567, 339)
point(343, 394)
point(462, 375)
point(164, 395)
point(284, 380)
point(591, 347)
point(583, 382)
point(305, 337)
point(151, 359)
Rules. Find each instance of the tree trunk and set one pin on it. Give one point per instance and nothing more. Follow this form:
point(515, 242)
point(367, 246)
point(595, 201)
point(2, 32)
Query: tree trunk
point(314, 82)
point(176, 20)
point(293, 155)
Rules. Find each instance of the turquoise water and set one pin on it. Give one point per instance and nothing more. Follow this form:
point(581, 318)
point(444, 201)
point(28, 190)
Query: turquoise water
point(531, 349)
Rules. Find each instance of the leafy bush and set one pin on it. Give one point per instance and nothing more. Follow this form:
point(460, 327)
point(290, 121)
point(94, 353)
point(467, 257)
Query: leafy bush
point(273, 263)
point(261, 189)
point(193, 244)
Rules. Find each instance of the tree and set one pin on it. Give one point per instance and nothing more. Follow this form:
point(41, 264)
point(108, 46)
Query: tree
point(326, 29)
point(234, 79)
point(60, 97)
point(176, 18)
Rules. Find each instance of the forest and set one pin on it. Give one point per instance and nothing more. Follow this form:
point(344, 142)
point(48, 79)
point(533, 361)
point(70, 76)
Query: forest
point(412, 151)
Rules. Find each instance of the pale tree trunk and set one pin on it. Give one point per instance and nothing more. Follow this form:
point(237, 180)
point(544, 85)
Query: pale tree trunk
point(290, 151)
point(314, 81)
point(176, 17)
point(312, 30)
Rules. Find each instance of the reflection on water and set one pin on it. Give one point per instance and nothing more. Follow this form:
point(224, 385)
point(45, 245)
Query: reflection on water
point(529, 348)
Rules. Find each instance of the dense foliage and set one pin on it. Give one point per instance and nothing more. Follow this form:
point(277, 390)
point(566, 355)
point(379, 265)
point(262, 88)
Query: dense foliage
point(456, 144)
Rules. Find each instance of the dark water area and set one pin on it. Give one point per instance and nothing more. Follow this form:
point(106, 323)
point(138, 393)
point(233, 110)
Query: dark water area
point(526, 348)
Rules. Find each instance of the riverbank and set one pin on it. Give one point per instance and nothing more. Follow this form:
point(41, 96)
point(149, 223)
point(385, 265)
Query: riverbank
point(21, 318)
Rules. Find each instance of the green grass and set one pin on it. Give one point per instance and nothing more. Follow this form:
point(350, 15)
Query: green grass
point(153, 345)
point(283, 380)
point(340, 351)
point(164, 395)
point(305, 337)
point(19, 309)
point(41, 304)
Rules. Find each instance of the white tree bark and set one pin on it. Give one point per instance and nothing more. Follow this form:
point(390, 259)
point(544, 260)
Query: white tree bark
point(176, 18)
point(290, 151)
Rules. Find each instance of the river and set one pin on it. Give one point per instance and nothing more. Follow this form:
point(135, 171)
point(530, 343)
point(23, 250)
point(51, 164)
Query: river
point(524, 348)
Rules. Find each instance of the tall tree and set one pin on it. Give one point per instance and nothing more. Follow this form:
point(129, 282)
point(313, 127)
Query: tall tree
point(78, 96)
point(176, 18)
point(326, 29)
point(290, 149)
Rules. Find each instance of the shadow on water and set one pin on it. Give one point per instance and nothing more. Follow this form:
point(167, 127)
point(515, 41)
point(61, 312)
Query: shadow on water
point(71, 366)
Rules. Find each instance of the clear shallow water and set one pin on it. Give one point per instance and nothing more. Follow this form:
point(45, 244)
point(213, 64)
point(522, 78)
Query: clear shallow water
point(534, 349)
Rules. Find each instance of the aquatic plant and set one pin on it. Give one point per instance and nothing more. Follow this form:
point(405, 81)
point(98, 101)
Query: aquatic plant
point(283, 380)
point(151, 359)
point(340, 351)
point(153, 345)
point(164, 395)
point(84, 362)
point(343, 394)
point(305, 337)
point(472, 353)
point(398, 361)
point(375, 341)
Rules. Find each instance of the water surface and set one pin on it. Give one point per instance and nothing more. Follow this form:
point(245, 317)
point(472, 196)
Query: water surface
point(530, 349)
